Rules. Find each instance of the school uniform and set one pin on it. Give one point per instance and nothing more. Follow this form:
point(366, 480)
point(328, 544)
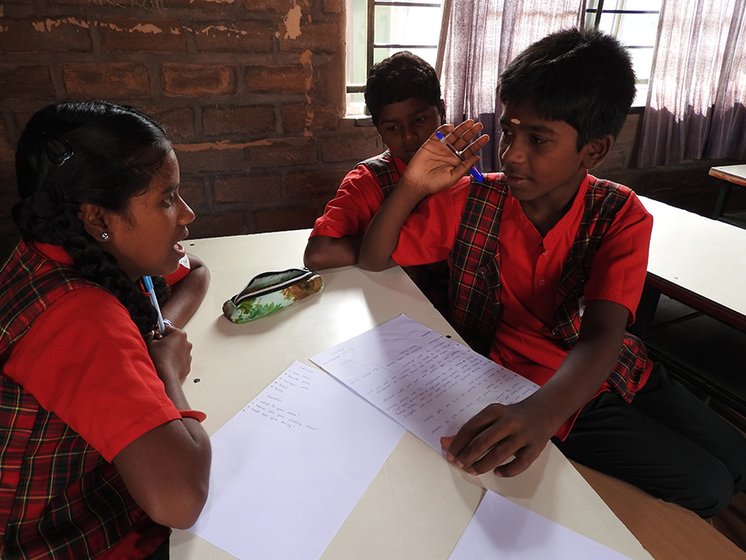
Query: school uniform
point(77, 387)
point(357, 200)
point(518, 297)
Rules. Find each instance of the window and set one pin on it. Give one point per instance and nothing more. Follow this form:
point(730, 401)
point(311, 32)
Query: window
point(635, 24)
point(378, 28)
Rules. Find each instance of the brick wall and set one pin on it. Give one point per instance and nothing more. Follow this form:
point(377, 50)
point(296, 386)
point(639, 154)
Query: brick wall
point(251, 91)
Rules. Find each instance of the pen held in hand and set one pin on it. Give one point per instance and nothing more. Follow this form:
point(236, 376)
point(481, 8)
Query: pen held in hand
point(148, 283)
point(473, 171)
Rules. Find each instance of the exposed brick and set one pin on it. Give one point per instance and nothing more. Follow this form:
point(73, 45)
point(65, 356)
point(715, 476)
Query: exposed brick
point(238, 120)
point(138, 35)
point(194, 6)
point(315, 183)
point(113, 80)
point(215, 225)
point(25, 81)
point(343, 148)
point(329, 71)
point(333, 6)
point(198, 79)
point(145, 5)
point(178, 122)
point(249, 36)
point(282, 151)
point(193, 192)
point(7, 201)
point(303, 116)
point(46, 35)
point(7, 153)
point(269, 5)
point(248, 188)
point(278, 79)
point(280, 219)
point(317, 37)
point(211, 157)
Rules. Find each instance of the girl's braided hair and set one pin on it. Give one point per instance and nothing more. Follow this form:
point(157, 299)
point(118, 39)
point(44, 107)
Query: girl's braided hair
point(87, 152)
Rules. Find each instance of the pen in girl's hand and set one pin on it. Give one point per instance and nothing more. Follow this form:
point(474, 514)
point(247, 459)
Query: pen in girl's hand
point(148, 283)
point(474, 172)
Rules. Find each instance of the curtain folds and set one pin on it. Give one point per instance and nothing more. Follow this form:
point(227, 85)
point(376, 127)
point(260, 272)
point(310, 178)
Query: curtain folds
point(477, 40)
point(695, 107)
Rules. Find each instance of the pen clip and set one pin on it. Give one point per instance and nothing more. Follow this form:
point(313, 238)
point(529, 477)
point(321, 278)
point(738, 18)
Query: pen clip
point(473, 171)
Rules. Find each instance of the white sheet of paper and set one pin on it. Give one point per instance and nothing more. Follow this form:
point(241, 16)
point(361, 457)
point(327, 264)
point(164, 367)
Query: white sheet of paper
point(290, 466)
point(503, 530)
point(427, 382)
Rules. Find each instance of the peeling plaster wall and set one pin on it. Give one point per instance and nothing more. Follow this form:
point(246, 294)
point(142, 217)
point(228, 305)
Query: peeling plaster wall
point(251, 92)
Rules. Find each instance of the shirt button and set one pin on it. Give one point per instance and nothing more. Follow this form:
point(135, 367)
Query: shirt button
point(542, 282)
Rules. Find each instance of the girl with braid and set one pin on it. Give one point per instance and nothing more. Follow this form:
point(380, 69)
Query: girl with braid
point(100, 452)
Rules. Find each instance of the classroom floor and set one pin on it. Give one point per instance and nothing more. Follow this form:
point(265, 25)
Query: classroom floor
point(709, 357)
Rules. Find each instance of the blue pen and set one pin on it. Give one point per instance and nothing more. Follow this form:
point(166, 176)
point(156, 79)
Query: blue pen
point(474, 172)
point(148, 283)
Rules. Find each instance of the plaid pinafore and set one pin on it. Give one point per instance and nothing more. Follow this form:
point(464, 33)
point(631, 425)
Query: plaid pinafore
point(476, 279)
point(58, 497)
point(431, 279)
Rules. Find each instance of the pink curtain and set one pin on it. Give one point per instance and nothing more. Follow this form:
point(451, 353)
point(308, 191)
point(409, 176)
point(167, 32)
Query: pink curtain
point(695, 106)
point(477, 40)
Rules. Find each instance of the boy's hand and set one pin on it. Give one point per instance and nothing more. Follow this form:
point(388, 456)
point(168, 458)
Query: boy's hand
point(496, 434)
point(171, 355)
point(438, 164)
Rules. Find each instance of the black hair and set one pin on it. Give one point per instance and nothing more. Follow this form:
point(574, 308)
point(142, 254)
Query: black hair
point(399, 77)
point(584, 78)
point(94, 152)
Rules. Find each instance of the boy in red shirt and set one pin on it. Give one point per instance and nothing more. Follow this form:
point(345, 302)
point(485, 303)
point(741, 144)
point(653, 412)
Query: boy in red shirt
point(402, 94)
point(547, 265)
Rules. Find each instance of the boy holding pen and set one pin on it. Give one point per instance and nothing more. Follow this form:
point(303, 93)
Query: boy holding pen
point(547, 265)
point(402, 94)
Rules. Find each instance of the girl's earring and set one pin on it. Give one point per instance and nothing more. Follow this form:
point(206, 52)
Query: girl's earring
point(104, 236)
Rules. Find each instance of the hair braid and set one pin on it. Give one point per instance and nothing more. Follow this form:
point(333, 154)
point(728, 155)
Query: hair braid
point(87, 152)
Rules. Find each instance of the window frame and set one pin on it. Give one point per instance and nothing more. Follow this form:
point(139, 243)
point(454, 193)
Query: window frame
point(371, 45)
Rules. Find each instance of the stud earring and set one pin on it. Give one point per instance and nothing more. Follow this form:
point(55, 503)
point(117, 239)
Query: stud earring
point(104, 236)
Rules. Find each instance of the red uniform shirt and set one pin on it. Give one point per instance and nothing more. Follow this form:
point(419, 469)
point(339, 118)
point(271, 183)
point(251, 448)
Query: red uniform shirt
point(85, 360)
point(531, 267)
point(357, 200)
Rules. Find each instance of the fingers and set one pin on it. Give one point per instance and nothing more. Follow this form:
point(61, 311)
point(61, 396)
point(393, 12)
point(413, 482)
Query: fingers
point(496, 439)
point(466, 137)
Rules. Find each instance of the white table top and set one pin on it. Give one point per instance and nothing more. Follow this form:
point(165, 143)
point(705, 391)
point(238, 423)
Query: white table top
point(735, 174)
point(699, 261)
point(418, 505)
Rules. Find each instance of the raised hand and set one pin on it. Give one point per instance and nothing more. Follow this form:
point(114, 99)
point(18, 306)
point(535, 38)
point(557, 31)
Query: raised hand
point(438, 164)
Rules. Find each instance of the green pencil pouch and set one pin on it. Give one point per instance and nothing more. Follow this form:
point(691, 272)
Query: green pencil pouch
point(270, 292)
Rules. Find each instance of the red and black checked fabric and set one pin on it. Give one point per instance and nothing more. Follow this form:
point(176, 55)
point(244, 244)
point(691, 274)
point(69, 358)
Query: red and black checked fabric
point(476, 280)
point(431, 279)
point(58, 497)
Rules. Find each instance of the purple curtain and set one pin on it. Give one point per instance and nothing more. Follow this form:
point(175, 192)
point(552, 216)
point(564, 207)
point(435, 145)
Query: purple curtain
point(477, 40)
point(695, 106)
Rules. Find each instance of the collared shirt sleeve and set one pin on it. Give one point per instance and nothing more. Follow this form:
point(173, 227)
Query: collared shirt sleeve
point(84, 360)
point(620, 264)
point(430, 231)
point(180, 273)
point(358, 198)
